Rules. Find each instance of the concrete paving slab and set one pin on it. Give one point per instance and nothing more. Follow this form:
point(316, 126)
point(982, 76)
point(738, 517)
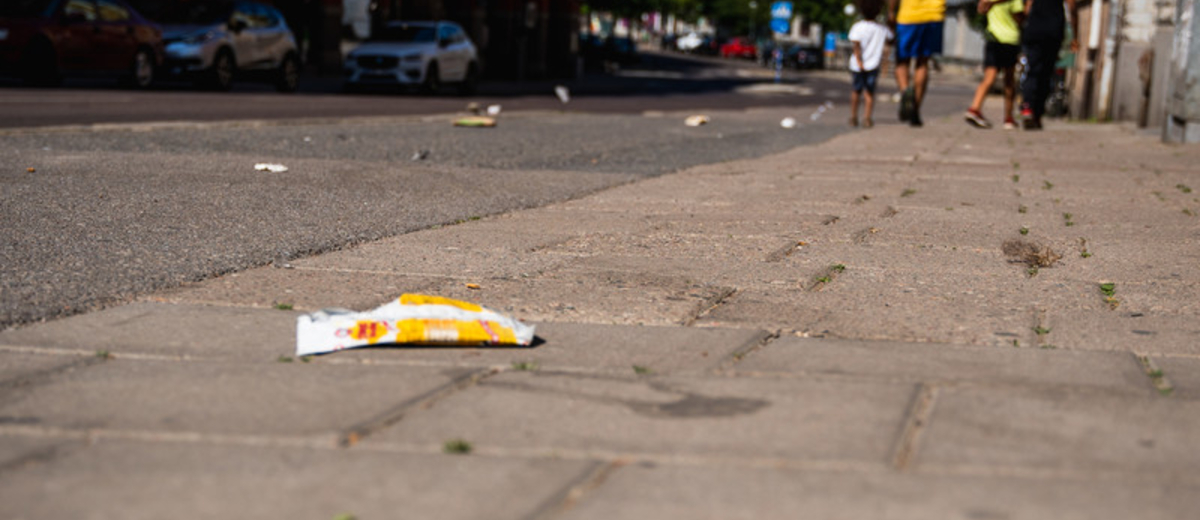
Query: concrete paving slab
point(1128, 330)
point(613, 290)
point(124, 480)
point(18, 368)
point(1061, 430)
point(1183, 373)
point(691, 493)
point(1113, 372)
point(592, 348)
point(722, 418)
point(19, 451)
point(304, 289)
point(163, 329)
point(266, 399)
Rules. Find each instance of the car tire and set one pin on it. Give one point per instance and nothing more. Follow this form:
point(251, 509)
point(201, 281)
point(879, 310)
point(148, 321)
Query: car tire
point(219, 76)
point(470, 82)
point(287, 78)
point(40, 65)
point(432, 83)
point(142, 70)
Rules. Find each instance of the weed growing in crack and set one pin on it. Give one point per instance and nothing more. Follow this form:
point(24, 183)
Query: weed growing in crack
point(284, 306)
point(641, 370)
point(526, 366)
point(1022, 209)
point(1040, 330)
point(908, 192)
point(1184, 188)
point(1047, 185)
point(1109, 290)
point(1083, 250)
point(1023, 230)
point(457, 447)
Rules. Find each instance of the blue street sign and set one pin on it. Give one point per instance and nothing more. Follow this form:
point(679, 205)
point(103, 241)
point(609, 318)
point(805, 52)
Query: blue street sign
point(781, 11)
point(781, 26)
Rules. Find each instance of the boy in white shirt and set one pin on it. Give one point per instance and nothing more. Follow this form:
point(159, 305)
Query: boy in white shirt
point(868, 37)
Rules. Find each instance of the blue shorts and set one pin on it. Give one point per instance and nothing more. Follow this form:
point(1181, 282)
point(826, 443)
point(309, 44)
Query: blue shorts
point(865, 80)
point(918, 40)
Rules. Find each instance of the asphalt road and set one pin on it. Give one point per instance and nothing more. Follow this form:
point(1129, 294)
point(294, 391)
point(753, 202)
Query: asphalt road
point(659, 82)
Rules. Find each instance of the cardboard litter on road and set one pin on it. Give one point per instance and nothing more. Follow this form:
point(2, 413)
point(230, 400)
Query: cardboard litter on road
point(411, 319)
point(696, 120)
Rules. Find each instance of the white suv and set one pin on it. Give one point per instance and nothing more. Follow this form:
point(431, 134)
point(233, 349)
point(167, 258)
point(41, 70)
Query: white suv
point(424, 54)
point(212, 43)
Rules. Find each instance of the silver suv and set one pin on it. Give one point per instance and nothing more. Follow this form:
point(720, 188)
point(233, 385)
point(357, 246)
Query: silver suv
point(211, 43)
point(422, 54)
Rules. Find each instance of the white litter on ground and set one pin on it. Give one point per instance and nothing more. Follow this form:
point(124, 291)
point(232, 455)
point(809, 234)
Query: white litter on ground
point(268, 167)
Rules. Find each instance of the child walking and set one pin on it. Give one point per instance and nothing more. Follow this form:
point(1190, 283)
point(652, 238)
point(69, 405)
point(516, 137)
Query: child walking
point(999, 53)
point(868, 37)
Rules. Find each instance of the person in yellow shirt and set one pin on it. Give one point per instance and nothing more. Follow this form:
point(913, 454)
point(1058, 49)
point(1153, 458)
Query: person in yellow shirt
point(918, 30)
point(1000, 51)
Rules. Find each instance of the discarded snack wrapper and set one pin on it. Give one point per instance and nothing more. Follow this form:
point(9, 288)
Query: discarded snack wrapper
point(268, 167)
point(563, 94)
point(788, 122)
point(493, 110)
point(413, 319)
point(476, 121)
point(696, 120)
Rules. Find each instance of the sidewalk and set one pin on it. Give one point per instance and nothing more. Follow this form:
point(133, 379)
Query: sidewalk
point(834, 332)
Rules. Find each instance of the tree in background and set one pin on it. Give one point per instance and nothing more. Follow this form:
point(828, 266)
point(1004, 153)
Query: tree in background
point(734, 16)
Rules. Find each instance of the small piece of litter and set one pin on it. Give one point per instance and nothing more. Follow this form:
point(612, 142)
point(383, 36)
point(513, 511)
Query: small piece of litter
point(476, 122)
point(696, 120)
point(788, 122)
point(474, 286)
point(493, 110)
point(31, 170)
point(411, 319)
point(563, 94)
point(420, 155)
point(268, 167)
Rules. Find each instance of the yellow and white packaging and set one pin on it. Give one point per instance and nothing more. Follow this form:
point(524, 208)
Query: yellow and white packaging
point(411, 319)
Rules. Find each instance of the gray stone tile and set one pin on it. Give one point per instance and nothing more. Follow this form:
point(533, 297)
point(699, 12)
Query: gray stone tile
point(285, 399)
point(18, 451)
point(605, 348)
point(18, 367)
point(167, 329)
point(128, 481)
point(697, 493)
point(715, 417)
point(303, 289)
point(1056, 430)
point(1112, 371)
point(1184, 375)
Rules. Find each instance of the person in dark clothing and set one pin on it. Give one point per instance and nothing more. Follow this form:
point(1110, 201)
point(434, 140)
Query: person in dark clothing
point(1041, 40)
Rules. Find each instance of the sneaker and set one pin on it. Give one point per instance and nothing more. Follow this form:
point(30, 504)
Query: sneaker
point(1032, 123)
point(915, 120)
point(908, 104)
point(1009, 124)
point(976, 118)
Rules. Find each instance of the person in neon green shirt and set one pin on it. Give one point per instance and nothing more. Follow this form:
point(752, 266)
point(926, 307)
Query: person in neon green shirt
point(1000, 52)
point(918, 29)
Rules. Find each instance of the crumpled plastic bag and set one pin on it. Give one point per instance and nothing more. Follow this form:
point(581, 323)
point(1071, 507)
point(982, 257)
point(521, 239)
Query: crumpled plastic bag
point(413, 319)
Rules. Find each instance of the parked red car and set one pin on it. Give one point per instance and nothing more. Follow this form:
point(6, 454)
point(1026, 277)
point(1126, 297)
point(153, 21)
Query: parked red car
point(43, 40)
point(739, 48)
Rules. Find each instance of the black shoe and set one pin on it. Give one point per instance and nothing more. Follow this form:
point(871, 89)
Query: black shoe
point(915, 120)
point(908, 104)
point(1032, 124)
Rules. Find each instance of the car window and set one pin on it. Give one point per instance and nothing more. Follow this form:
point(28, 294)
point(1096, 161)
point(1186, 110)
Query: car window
point(405, 33)
point(113, 12)
point(272, 16)
point(259, 17)
point(84, 8)
point(456, 34)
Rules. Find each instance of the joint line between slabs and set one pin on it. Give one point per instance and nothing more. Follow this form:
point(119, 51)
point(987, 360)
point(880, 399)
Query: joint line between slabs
point(708, 305)
point(564, 500)
point(750, 347)
point(357, 433)
point(917, 420)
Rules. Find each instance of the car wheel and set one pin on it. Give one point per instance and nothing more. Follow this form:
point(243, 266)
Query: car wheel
point(288, 75)
point(432, 83)
point(40, 65)
point(141, 72)
point(220, 74)
point(470, 82)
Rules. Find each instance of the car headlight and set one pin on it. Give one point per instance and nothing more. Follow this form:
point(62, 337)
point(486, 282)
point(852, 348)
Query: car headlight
point(200, 38)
